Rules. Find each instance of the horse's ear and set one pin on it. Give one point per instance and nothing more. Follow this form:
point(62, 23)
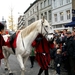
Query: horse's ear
point(43, 19)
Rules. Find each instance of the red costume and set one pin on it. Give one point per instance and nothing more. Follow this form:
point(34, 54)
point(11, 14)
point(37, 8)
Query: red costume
point(42, 51)
point(2, 42)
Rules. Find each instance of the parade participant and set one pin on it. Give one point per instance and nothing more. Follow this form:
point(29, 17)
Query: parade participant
point(2, 42)
point(42, 53)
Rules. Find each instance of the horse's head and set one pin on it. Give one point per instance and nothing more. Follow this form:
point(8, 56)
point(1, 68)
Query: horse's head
point(45, 28)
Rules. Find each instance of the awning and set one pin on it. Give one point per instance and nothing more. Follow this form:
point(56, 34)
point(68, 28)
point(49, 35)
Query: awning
point(71, 24)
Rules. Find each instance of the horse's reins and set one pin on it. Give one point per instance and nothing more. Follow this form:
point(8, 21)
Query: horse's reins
point(22, 41)
point(44, 28)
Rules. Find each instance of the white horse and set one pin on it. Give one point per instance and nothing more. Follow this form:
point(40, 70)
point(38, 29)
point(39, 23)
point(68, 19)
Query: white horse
point(24, 40)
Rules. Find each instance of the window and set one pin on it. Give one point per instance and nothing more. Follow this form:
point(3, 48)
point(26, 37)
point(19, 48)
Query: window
point(68, 14)
point(41, 5)
point(45, 3)
point(33, 11)
point(46, 15)
point(55, 17)
point(49, 12)
point(61, 16)
point(41, 15)
point(61, 2)
point(55, 4)
point(67, 1)
point(37, 8)
point(37, 17)
point(49, 2)
point(30, 12)
point(58, 26)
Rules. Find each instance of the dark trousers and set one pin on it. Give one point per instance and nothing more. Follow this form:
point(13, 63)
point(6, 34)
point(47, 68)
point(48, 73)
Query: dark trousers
point(32, 58)
point(58, 70)
point(45, 71)
point(70, 66)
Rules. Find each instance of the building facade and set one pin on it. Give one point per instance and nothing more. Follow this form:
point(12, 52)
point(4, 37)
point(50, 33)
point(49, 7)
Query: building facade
point(61, 13)
point(21, 22)
point(57, 12)
point(35, 12)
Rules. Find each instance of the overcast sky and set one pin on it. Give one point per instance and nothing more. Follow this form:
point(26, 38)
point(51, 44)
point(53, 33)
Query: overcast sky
point(18, 6)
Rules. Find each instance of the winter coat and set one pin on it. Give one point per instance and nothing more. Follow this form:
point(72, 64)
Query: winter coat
point(70, 47)
point(58, 59)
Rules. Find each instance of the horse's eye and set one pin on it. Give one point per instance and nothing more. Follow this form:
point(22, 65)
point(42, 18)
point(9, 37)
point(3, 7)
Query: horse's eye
point(46, 26)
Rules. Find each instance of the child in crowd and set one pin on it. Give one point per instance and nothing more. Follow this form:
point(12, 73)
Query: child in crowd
point(58, 59)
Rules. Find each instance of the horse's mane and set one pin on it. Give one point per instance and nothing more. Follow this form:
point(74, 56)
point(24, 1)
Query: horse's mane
point(29, 29)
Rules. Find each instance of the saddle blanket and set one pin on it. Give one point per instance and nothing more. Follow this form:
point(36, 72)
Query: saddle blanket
point(14, 41)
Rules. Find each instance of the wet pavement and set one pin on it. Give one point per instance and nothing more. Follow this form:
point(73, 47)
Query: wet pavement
point(14, 65)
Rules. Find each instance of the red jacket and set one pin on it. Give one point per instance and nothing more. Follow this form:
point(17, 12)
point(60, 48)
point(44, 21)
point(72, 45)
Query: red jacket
point(2, 42)
point(42, 51)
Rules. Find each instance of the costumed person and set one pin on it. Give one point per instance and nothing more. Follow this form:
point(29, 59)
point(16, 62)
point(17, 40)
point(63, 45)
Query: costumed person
point(42, 53)
point(2, 42)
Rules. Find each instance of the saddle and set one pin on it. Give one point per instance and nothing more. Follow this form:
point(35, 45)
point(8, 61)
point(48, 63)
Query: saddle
point(11, 41)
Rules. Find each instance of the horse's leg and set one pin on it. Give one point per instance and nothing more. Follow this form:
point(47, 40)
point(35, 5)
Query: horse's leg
point(6, 63)
point(25, 59)
point(20, 59)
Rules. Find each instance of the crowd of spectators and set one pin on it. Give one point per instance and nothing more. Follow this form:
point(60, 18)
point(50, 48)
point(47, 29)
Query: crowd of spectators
point(64, 51)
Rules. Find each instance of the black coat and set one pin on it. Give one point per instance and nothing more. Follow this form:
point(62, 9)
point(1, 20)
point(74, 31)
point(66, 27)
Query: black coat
point(58, 59)
point(70, 46)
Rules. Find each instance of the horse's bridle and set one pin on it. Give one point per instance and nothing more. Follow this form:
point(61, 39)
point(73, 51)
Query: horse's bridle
point(44, 29)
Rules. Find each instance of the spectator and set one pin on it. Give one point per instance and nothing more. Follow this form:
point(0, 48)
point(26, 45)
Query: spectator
point(58, 59)
point(32, 57)
point(70, 51)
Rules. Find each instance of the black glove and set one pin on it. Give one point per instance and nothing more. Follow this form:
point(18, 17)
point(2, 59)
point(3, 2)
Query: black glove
point(38, 39)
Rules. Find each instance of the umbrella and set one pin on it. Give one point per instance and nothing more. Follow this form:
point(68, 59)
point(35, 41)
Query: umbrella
point(71, 24)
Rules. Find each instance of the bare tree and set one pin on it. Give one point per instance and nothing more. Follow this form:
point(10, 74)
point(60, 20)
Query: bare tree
point(10, 19)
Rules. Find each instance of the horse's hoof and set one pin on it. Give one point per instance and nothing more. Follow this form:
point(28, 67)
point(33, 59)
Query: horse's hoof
point(6, 69)
point(10, 73)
